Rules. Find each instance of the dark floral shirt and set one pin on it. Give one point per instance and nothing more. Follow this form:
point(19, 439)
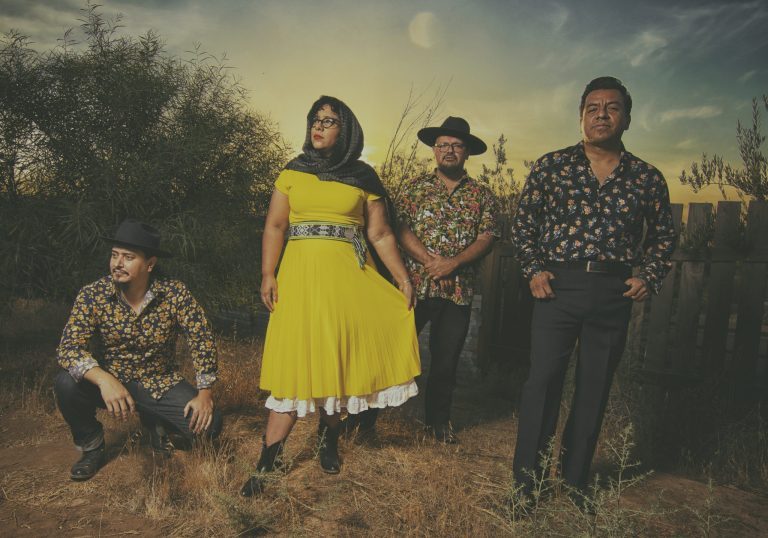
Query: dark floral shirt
point(138, 347)
point(565, 215)
point(447, 223)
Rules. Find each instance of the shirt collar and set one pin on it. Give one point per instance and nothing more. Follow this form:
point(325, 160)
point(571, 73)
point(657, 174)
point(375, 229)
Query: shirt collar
point(579, 154)
point(155, 289)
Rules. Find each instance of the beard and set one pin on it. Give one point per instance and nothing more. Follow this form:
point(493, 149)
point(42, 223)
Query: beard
point(451, 169)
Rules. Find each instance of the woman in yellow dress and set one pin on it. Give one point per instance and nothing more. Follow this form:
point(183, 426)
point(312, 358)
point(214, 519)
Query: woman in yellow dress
point(339, 334)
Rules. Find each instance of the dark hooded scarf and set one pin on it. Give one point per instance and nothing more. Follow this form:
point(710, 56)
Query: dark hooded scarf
point(344, 164)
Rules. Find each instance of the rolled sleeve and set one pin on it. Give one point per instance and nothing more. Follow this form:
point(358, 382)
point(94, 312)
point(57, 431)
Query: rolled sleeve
point(192, 320)
point(72, 353)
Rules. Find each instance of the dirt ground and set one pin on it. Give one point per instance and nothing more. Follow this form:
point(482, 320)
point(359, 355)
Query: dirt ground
point(399, 484)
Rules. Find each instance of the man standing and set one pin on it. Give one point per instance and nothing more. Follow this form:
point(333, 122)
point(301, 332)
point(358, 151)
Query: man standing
point(137, 318)
point(579, 232)
point(448, 222)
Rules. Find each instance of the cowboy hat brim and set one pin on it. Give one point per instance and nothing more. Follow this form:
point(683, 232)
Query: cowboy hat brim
point(149, 251)
point(428, 135)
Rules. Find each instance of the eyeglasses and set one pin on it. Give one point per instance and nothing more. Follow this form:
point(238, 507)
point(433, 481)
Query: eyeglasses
point(456, 147)
point(327, 123)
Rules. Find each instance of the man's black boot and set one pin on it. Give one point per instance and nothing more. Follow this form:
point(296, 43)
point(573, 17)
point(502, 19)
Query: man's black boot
point(271, 459)
point(88, 464)
point(328, 444)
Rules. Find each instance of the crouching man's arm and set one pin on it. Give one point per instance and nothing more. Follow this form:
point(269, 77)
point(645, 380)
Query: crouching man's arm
point(191, 318)
point(73, 355)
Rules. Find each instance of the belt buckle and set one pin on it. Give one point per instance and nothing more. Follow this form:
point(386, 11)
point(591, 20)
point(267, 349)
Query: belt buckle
point(592, 267)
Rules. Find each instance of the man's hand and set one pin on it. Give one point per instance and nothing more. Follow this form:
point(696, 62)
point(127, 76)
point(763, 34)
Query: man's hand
point(440, 267)
point(638, 290)
point(201, 407)
point(540, 287)
point(116, 397)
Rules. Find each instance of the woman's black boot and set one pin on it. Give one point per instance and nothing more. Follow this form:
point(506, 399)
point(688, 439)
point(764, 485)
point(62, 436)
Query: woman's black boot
point(271, 460)
point(328, 444)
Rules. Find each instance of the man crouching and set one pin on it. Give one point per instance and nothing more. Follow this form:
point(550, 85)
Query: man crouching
point(137, 317)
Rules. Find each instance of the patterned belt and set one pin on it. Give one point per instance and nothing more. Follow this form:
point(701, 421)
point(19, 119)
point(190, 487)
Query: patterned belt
point(338, 232)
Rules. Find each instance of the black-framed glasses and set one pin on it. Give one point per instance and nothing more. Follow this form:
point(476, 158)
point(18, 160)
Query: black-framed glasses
point(327, 123)
point(445, 146)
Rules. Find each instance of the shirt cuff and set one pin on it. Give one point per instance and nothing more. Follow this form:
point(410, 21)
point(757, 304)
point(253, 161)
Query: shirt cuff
point(205, 381)
point(78, 370)
point(651, 281)
point(535, 266)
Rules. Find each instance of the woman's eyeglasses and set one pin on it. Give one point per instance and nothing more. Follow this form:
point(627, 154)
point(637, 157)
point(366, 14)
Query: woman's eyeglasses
point(327, 123)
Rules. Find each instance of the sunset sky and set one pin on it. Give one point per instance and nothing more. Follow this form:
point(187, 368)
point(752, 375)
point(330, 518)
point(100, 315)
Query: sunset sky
point(512, 67)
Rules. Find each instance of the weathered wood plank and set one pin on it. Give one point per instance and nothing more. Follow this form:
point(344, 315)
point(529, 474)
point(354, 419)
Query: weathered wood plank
point(660, 316)
point(751, 295)
point(720, 286)
point(488, 311)
point(683, 339)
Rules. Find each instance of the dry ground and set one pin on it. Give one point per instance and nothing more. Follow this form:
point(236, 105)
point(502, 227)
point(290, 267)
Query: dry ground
point(398, 484)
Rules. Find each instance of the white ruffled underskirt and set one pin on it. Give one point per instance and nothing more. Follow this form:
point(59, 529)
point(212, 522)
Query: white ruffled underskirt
point(389, 397)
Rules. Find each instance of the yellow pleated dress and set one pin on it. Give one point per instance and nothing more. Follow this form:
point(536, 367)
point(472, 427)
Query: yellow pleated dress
point(339, 336)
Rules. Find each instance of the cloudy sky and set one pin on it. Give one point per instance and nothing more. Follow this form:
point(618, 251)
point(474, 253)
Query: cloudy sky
point(511, 67)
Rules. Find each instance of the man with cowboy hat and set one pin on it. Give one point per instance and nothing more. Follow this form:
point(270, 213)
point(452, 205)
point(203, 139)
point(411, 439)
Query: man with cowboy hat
point(137, 318)
point(447, 223)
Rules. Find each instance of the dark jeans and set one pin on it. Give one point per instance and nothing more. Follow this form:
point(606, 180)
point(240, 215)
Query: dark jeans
point(449, 324)
point(588, 308)
point(78, 402)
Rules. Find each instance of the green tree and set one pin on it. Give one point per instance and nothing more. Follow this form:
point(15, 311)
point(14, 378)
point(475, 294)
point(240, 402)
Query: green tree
point(93, 132)
point(751, 180)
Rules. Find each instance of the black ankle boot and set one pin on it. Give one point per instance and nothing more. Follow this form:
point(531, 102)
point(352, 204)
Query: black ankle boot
point(88, 464)
point(271, 460)
point(328, 444)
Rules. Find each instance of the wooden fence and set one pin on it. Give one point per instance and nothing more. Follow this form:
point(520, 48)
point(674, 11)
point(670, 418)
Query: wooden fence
point(707, 321)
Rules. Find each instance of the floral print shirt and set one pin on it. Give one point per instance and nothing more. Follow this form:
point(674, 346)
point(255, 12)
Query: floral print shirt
point(447, 223)
point(565, 214)
point(138, 347)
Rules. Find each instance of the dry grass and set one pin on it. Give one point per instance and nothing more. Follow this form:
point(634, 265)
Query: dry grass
point(400, 483)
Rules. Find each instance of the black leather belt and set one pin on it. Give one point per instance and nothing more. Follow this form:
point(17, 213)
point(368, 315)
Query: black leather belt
point(590, 266)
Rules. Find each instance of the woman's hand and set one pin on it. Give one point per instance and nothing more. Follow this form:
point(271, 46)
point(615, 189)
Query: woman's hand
point(406, 288)
point(269, 291)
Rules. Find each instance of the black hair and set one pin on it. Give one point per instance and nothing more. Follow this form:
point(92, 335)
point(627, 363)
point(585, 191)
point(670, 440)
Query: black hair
point(332, 102)
point(607, 83)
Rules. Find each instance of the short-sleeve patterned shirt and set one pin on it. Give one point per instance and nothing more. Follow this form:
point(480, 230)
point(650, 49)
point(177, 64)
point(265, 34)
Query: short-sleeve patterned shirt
point(138, 347)
point(566, 215)
point(447, 223)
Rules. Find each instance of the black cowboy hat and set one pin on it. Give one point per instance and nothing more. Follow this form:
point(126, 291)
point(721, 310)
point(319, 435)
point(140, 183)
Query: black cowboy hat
point(135, 234)
point(453, 126)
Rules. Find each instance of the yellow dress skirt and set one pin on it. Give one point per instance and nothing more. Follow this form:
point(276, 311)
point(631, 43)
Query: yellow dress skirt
point(340, 336)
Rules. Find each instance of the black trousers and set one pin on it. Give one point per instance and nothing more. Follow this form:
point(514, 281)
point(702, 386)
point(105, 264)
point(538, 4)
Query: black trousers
point(449, 324)
point(588, 308)
point(78, 402)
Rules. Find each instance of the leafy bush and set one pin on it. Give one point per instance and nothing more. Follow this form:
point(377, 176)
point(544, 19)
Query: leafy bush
point(93, 132)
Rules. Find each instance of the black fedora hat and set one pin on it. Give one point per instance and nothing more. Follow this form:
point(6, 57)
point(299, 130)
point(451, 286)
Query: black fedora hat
point(453, 126)
point(135, 234)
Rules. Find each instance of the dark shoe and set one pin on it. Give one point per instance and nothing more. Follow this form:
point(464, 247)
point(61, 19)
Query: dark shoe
point(360, 427)
point(443, 433)
point(88, 464)
point(271, 460)
point(328, 444)
point(161, 443)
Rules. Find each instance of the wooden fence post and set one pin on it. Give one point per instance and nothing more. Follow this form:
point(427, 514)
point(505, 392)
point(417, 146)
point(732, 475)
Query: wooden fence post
point(751, 298)
point(720, 288)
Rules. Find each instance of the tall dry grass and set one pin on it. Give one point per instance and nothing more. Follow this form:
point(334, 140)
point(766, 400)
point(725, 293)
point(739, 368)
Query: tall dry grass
point(399, 483)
